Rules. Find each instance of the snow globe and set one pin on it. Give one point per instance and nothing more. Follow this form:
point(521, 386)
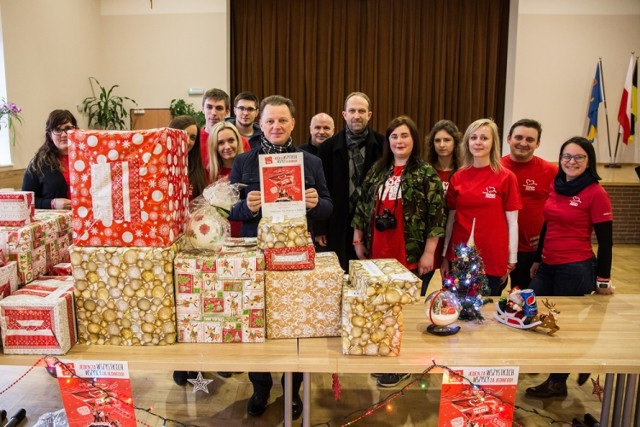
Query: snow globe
point(442, 308)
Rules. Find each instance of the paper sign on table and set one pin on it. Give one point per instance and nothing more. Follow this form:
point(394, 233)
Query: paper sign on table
point(96, 393)
point(489, 403)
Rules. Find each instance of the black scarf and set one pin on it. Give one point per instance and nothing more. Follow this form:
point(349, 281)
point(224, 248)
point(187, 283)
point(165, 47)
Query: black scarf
point(356, 139)
point(575, 186)
point(270, 148)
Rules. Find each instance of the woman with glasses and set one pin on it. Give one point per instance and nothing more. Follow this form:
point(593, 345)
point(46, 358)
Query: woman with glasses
point(566, 265)
point(47, 174)
point(197, 175)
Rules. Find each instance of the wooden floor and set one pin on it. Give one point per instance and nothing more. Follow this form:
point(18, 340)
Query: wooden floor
point(225, 405)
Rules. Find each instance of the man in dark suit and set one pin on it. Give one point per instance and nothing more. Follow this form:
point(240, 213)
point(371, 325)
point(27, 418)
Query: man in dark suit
point(346, 159)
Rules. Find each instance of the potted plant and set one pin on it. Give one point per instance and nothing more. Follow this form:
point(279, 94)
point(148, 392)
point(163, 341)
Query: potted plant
point(179, 107)
point(106, 111)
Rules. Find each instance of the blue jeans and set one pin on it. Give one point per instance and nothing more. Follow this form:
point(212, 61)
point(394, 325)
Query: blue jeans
point(565, 280)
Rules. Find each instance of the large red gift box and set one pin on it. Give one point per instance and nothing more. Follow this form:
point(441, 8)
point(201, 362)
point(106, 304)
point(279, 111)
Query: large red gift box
point(128, 188)
point(17, 208)
point(39, 318)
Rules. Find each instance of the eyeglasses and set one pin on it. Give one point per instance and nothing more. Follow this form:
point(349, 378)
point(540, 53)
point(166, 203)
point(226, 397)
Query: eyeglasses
point(246, 109)
point(579, 158)
point(58, 131)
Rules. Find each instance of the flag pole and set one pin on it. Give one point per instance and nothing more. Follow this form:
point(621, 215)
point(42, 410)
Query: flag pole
point(612, 160)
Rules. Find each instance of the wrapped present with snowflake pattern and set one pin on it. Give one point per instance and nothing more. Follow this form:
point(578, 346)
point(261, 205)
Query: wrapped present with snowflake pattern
point(128, 188)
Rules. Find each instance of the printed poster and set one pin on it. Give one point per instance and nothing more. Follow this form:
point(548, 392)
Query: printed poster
point(282, 185)
point(105, 400)
point(489, 404)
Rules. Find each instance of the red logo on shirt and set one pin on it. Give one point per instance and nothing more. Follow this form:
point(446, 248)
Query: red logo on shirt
point(490, 193)
point(575, 201)
point(268, 160)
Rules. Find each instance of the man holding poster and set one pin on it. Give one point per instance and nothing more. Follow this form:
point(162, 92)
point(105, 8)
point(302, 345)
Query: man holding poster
point(287, 183)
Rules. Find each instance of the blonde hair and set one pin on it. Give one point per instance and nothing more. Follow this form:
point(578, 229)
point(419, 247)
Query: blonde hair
point(494, 154)
point(215, 161)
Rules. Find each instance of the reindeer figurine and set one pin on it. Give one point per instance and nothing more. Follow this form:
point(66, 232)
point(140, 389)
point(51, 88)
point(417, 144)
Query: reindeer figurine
point(547, 321)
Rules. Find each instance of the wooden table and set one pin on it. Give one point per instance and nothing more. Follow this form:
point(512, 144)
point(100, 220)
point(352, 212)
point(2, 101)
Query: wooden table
point(598, 334)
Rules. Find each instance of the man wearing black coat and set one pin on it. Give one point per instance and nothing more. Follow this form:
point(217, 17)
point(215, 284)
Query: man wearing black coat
point(346, 159)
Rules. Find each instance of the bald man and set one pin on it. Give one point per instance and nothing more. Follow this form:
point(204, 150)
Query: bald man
point(321, 128)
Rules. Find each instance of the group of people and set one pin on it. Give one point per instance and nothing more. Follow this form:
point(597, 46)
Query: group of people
point(391, 196)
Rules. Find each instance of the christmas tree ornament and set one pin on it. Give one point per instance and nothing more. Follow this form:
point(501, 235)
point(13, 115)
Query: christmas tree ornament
point(199, 383)
point(443, 309)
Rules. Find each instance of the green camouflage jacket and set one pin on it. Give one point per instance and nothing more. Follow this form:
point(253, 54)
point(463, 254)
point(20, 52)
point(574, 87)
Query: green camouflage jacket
point(423, 206)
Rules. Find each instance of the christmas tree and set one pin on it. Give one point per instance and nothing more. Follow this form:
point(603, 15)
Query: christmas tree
point(468, 280)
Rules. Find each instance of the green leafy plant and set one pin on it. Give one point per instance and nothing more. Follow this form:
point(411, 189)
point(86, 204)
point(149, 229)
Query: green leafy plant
point(105, 111)
point(179, 107)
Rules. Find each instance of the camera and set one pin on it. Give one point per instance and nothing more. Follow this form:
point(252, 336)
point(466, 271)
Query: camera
point(386, 221)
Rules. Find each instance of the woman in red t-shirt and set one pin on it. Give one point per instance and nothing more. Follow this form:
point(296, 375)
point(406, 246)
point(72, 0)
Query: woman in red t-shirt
point(443, 154)
point(485, 191)
point(225, 143)
point(47, 174)
point(565, 264)
point(197, 176)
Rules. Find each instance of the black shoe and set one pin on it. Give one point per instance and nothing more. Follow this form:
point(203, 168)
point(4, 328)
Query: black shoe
point(180, 377)
point(582, 378)
point(296, 407)
point(548, 389)
point(257, 404)
point(391, 380)
point(225, 374)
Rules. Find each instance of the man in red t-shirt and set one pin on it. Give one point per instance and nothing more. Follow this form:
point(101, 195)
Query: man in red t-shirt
point(535, 177)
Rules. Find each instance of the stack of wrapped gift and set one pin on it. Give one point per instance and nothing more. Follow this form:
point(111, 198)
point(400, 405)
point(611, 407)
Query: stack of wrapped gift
point(8, 276)
point(130, 196)
point(26, 246)
point(57, 229)
point(220, 296)
point(39, 318)
point(17, 208)
point(303, 289)
point(372, 301)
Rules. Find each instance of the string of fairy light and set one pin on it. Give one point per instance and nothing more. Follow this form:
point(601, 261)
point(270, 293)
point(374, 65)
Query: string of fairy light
point(344, 421)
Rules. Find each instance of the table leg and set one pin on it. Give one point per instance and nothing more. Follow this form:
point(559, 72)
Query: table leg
point(288, 395)
point(617, 402)
point(637, 421)
point(606, 400)
point(632, 380)
point(306, 399)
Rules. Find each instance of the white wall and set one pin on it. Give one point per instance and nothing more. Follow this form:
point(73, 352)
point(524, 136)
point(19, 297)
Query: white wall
point(557, 47)
point(156, 54)
point(50, 50)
